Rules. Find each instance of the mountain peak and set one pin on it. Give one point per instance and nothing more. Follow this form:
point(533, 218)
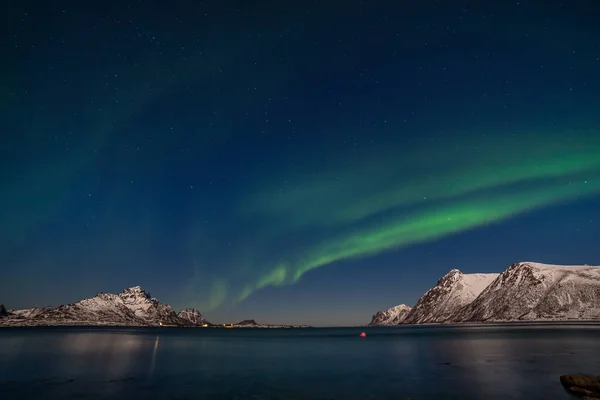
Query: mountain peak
point(3, 312)
point(451, 276)
point(453, 273)
point(136, 291)
point(453, 291)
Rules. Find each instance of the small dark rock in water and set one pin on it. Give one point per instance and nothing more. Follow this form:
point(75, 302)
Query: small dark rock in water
point(586, 386)
point(443, 363)
point(3, 312)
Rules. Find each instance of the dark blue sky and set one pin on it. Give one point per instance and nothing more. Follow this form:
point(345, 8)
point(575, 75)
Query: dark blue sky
point(294, 162)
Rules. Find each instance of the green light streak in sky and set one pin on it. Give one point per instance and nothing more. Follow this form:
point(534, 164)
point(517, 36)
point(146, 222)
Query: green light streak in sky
point(441, 221)
point(390, 180)
point(402, 199)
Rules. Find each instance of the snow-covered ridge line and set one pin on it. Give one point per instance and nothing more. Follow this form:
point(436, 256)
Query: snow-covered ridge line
point(452, 292)
point(132, 307)
point(525, 291)
point(391, 316)
point(530, 291)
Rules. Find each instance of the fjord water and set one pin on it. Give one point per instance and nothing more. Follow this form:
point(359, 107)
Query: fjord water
point(418, 362)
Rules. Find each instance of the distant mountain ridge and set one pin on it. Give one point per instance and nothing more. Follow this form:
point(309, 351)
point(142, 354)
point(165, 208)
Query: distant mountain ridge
point(250, 323)
point(526, 291)
point(132, 307)
point(247, 322)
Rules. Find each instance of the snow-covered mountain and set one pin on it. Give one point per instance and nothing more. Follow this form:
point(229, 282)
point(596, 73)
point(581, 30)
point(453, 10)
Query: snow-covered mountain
point(131, 307)
point(452, 292)
point(193, 316)
point(528, 291)
point(391, 316)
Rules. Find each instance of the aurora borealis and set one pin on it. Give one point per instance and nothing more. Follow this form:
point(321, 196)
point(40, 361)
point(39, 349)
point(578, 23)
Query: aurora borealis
point(297, 162)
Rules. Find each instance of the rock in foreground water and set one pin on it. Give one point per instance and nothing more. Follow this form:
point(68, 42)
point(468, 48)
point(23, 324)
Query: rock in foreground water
point(586, 386)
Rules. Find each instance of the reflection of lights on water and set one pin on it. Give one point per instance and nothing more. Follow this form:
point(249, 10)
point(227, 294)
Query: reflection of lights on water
point(153, 361)
point(111, 355)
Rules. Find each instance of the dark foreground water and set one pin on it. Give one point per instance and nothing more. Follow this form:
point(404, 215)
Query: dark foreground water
point(491, 362)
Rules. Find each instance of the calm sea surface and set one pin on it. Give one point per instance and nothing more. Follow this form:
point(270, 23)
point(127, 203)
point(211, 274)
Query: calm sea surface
point(485, 362)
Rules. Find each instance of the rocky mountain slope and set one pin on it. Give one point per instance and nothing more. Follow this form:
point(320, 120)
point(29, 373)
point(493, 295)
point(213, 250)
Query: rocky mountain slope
point(391, 316)
point(526, 291)
point(192, 316)
point(452, 292)
point(529, 291)
point(3, 312)
point(131, 307)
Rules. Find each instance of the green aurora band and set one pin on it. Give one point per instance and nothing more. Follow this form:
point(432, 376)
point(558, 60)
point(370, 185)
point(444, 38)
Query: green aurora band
point(390, 201)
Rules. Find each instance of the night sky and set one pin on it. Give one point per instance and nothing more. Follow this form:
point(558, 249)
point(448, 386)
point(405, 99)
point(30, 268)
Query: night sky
point(293, 162)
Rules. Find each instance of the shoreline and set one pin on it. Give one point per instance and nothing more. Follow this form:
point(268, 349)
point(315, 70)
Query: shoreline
point(274, 326)
point(81, 324)
point(490, 323)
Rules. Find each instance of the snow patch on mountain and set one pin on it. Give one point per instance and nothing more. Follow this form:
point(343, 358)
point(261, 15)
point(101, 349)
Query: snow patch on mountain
point(391, 316)
point(193, 316)
point(30, 312)
point(452, 292)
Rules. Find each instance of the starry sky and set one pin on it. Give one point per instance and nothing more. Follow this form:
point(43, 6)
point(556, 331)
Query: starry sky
point(293, 162)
